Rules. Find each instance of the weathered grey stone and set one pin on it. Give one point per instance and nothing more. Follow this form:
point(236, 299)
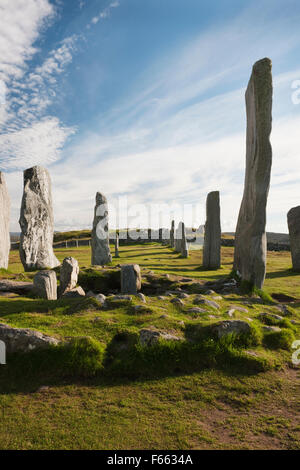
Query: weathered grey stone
point(100, 236)
point(209, 303)
point(122, 297)
point(239, 309)
point(196, 310)
point(74, 293)
point(36, 221)
point(293, 218)
point(45, 285)
point(142, 297)
point(69, 271)
point(227, 327)
point(178, 238)
point(117, 246)
point(149, 337)
point(184, 245)
point(250, 236)
point(172, 234)
point(177, 301)
point(24, 339)
point(212, 234)
point(271, 328)
point(4, 223)
point(131, 280)
point(100, 297)
point(18, 287)
point(183, 295)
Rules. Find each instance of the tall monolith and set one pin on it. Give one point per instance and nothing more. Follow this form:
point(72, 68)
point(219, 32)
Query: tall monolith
point(4, 223)
point(293, 218)
point(100, 236)
point(250, 236)
point(36, 221)
point(212, 233)
point(172, 234)
point(184, 245)
point(178, 238)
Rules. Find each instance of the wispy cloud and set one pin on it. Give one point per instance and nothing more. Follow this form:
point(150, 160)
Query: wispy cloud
point(28, 134)
point(105, 13)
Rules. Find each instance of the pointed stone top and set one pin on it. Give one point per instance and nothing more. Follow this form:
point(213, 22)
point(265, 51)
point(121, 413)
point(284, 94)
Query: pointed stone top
point(100, 198)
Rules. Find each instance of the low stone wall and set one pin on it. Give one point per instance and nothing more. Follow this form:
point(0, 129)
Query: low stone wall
point(271, 246)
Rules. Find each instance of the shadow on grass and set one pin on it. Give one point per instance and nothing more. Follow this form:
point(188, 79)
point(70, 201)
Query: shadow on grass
point(282, 273)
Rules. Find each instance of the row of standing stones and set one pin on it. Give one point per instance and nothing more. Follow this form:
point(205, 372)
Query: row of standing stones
point(36, 218)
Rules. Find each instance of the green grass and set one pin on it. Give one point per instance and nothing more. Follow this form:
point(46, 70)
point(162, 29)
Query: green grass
point(105, 391)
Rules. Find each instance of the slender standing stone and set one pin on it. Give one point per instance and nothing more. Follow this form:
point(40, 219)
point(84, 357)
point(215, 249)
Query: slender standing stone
point(4, 223)
point(178, 238)
point(212, 234)
point(36, 221)
point(184, 246)
point(69, 271)
point(117, 245)
point(250, 236)
point(172, 234)
point(131, 280)
point(293, 217)
point(100, 236)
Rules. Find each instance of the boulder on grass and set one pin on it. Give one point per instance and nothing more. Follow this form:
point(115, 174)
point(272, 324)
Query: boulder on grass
point(131, 280)
point(45, 285)
point(148, 337)
point(24, 339)
point(227, 327)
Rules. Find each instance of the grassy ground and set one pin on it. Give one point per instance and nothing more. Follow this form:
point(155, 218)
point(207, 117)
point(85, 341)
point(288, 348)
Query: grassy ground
point(215, 408)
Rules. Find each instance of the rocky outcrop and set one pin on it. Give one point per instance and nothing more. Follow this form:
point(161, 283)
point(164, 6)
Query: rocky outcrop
point(24, 339)
point(250, 237)
point(45, 285)
point(100, 236)
point(293, 218)
point(131, 280)
point(36, 221)
point(4, 223)
point(69, 271)
point(212, 234)
point(227, 327)
point(149, 337)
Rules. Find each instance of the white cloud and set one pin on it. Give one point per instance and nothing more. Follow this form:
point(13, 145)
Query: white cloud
point(28, 135)
point(105, 13)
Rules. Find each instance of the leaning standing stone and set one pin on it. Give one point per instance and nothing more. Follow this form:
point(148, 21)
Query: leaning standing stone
point(69, 271)
point(131, 280)
point(178, 238)
point(4, 223)
point(100, 236)
point(36, 221)
point(212, 234)
point(250, 236)
point(45, 285)
point(293, 217)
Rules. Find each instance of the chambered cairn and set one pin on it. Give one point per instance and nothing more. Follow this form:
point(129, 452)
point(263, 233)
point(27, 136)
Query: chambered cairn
point(100, 236)
point(36, 221)
point(293, 218)
point(4, 223)
point(250, 235)
point(212, 234)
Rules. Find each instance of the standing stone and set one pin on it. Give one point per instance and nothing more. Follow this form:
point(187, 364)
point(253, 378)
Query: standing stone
point(293, 217)
point(100, 236)
point(69, 271)
point(184, 246)
point(212, 234)
point(45, 285)
point(250, 236)
point(131, 280)
point(178, 238)
point(36, 221)
point(117, 245)
point(160, 235)
point(172, 234)
point(4, 223)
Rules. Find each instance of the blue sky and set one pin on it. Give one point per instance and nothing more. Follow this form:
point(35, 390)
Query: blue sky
point(145, 99)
